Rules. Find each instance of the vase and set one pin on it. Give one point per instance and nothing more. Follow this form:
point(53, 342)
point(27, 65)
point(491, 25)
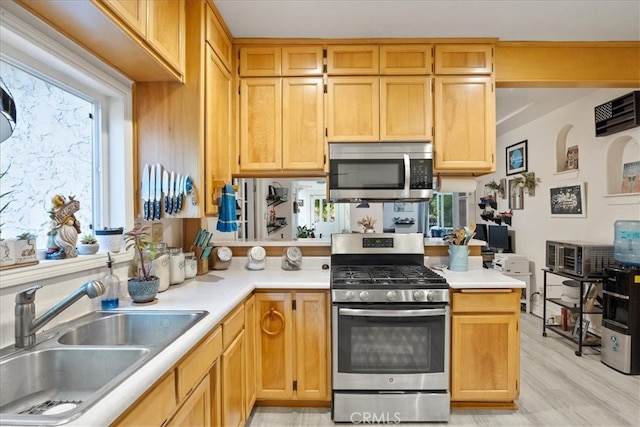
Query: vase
point(458, 257)
point(142, 291)
point(369, 230)
point(109, 239)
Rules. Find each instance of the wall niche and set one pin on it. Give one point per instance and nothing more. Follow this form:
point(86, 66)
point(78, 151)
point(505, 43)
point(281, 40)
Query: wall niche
point(624, 149)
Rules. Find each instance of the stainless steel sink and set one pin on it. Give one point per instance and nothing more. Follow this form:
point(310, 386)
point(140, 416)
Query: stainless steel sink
point(76, 364)
point(130, 328)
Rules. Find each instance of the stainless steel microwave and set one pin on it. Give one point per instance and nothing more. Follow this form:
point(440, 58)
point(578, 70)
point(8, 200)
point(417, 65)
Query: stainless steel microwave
point(380, 172)
point(578, 258)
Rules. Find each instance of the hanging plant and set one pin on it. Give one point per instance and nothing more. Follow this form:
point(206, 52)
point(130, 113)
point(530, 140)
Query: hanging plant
point(530, 182)
point(493, 185)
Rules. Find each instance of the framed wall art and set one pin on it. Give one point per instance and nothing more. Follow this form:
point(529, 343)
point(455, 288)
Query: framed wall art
point(568, 200)
point(516, 156)
point(516, 195)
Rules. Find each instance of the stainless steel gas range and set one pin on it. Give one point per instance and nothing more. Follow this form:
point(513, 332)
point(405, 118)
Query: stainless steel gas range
point(390, 331)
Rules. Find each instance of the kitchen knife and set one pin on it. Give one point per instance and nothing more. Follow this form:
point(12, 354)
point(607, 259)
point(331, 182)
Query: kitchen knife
point(181, 193)
point(145, 191)
point(152, 193)
point(176, 193)
point(165, 189)
point(158, 192)
point(172, 184)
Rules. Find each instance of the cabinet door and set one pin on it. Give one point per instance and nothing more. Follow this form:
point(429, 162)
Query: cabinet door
point(405, 108)
point(463, 59)
point(312, 356)
point(250, 353)
point(260, 61)
point(196, 410)
point(405, 59)
point(353, 110)
point(355, 60)
point(260, 124)
point(133, 12)
point(274, 346)
point(233, 383)
point(302, 123)
point(464, 124)
point(485, 358)
point(302, 61)
point(218, 39)
point(155, 407)
point(218, 157)
point(166, 30)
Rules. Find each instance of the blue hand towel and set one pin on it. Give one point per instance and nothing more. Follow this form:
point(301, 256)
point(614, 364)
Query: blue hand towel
point(227, 218)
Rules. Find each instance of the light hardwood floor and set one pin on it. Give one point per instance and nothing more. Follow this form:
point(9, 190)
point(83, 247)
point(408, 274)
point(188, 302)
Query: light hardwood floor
point(558, 388)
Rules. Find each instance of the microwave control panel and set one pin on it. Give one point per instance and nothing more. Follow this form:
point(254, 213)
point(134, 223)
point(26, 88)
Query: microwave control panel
point(421, 174)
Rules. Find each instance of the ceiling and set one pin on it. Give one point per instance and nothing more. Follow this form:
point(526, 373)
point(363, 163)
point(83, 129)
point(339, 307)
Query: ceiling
point(512, 20)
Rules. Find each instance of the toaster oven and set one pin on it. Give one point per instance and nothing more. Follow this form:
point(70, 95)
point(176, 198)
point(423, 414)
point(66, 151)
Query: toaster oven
point(578, 258)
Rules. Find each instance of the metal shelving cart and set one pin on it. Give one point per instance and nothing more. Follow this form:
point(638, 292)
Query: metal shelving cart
point(594, 340)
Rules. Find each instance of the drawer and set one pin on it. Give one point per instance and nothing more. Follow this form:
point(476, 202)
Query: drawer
point(196, 365)
point(232, 325)
point(155, 407)
point(486, 301)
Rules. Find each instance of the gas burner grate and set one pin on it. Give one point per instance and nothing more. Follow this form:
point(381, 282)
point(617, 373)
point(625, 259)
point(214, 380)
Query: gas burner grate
point(385, 274)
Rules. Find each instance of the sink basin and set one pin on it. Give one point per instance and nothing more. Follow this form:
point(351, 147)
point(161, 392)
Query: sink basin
point(144, 328)
point(50, 380)
point(57, 380)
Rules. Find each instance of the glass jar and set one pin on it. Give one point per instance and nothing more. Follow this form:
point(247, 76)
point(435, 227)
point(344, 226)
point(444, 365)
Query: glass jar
point(157, 253)
point(291, 258)
point(190, 265)
point(176, 263)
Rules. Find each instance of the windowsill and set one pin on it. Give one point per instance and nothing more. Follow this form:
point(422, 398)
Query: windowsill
point(48, 269)
point(623, 199)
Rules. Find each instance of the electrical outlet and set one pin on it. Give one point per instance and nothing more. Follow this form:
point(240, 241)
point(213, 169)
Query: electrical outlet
point(157, 232)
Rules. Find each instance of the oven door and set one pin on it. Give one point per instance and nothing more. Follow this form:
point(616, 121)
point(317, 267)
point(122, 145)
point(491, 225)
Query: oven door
point(390, 347)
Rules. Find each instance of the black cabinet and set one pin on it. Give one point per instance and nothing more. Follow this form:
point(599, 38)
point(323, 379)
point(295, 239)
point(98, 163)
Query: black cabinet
point(581, 309)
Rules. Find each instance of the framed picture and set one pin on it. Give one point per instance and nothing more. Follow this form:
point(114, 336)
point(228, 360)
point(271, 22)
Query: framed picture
point(516, 155)
point(516, 195)
point(581, 329)
point(403, 207)
point(568, 200)
point(630, 178)
point(571, 162)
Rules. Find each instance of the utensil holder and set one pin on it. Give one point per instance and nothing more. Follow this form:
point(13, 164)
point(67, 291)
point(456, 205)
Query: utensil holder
point(458, 257)
point(203, 264)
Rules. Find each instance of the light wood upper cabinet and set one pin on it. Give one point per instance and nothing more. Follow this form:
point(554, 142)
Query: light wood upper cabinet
point(485, 346)
point(353, 60)
point(406, 59)
point(463, 59)
point(166, 30)
point(133, 12)
point(218, 39)
point(260, 61)
point(353, 109)
point(302, 123)
point(302, 60)
point(289, 368)
point(405, 108)
point(261, 124)
point(464, 124)
point(218, 166)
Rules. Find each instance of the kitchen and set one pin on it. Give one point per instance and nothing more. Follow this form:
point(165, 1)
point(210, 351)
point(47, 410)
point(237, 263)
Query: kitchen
point(537, 158)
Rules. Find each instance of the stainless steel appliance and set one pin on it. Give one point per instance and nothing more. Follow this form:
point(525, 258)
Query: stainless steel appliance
point(620, 344)
point(372, 172)
point(579, 258)
point(390, 331)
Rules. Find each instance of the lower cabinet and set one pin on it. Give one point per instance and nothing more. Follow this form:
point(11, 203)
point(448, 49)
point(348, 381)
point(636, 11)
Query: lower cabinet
point(485, 348)
point(233, 387)
point(292, 346)
point(196, 410)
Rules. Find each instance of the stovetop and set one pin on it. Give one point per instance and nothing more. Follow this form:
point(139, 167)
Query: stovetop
point(385, 277)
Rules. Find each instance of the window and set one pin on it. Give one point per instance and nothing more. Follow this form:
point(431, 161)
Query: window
point(73, 134)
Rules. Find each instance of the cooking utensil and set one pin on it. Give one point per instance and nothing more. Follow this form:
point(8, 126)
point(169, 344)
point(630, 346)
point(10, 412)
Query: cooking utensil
point(145, 191)
point(180, 192)
point(176, 189)
point(172, 185)
point(165, 189)
point(158, 191)
point(152, 193)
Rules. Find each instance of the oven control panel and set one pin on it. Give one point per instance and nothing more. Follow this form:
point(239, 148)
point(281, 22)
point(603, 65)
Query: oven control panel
point(377, 242)
point(394, 295)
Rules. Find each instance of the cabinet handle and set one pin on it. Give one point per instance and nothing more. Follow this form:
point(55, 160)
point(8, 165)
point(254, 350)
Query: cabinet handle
point(272, 314)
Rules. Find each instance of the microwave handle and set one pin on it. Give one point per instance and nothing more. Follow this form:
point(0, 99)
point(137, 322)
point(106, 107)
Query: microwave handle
point(561, 257)
point(407, 175)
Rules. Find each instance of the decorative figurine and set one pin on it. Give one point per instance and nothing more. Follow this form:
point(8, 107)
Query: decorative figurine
point(64, 228)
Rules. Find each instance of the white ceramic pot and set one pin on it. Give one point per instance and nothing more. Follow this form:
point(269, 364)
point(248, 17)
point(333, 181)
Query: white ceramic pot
point(88, 248)
point(110, 240)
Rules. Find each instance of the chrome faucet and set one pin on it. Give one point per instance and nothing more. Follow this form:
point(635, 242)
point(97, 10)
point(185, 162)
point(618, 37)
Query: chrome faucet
point(26, 323)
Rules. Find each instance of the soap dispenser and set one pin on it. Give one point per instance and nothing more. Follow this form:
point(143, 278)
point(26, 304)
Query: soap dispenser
point(110, 299)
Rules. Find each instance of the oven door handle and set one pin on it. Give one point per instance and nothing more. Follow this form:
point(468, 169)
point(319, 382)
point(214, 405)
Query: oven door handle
point(392, 313)
point(407, 175)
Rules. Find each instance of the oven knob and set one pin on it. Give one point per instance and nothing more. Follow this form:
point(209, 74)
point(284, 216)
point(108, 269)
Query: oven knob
point(350, 295)
point(392, 295)
point(429, 296)
point(364, 296)
point(420, 295)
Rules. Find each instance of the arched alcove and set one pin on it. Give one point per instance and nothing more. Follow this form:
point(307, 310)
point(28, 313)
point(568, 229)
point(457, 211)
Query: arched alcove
point(624, 149)
point(563, 142)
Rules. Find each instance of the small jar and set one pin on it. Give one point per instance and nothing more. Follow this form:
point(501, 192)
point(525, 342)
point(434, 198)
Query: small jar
point(157, 253)
point(291, 258)
point(190, 265)
point(176, 263)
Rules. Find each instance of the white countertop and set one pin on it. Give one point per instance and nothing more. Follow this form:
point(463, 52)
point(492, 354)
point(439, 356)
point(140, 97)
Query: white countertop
point(218, 292)
point(428, 241)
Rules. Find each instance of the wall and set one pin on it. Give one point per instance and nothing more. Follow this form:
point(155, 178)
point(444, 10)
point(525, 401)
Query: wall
point(533, 225)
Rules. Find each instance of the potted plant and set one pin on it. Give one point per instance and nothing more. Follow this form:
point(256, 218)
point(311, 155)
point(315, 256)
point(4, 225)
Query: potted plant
point(367, 222)
point(88, 245)
point(25, 248)
point(530, 182)
point(493, 185)
point(305, 232)
point(143, 286)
